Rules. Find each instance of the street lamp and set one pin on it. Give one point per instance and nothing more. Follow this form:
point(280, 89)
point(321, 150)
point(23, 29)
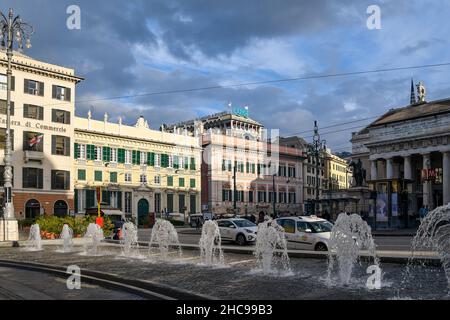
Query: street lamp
point(12, 29)
point(315, 149)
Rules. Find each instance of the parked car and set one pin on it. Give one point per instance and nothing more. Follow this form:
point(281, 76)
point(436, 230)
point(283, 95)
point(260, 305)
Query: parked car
point(306, 233)
point(237, 230)
point(200, 218)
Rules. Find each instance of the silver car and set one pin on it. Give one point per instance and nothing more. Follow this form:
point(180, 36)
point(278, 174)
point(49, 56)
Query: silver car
point(241, 231)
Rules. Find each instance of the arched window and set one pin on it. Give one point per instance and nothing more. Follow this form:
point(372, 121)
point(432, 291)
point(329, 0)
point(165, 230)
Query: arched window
point(60, 208)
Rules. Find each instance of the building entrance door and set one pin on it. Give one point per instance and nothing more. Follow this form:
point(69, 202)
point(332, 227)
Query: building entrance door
point(143, 210)
point(32, 209)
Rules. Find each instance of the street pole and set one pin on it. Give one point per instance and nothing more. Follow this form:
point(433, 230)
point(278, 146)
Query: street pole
point(11, 29)
point(317, 147)
point(234, 189)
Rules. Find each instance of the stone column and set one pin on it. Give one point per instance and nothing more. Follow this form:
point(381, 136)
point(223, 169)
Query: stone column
point(407, 167)
point(446, 176)
point(374, 170)
point(426, 184)
point(389, 169)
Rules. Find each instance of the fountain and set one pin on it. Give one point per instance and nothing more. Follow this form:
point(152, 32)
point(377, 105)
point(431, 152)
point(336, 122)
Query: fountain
point(164, 235)
point(270, 237)
point(129, 239)
point(34, 239)
point(350, 235)
point(67, 236)
point(94, 232)
point(210, 244)
point(434, 234)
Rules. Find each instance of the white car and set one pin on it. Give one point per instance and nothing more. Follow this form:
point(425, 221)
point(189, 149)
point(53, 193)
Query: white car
point(306, 233)
point(241, 231)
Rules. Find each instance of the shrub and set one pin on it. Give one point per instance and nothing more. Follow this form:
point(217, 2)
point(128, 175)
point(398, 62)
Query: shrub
point(53, 225)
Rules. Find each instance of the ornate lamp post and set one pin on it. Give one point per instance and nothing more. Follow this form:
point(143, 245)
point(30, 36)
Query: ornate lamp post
point(315, 149)
point(12, 30)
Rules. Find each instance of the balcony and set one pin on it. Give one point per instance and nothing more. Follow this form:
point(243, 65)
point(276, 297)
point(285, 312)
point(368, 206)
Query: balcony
point(35, 156)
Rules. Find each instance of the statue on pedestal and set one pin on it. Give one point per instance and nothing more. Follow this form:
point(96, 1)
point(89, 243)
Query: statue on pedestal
point(359, 173)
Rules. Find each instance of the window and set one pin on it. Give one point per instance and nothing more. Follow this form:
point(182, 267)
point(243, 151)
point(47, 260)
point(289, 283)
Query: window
point(240, 196)
point(170, 161)
point(227, 195)
point(3, 82)
point(192, 183)
point(282, 197)
point(143, 158)
point(31, 111)
point(61, 146)
point(61, 93)
point(3, 107)
point(113, 177)
point(288, 225)
point(82, 175)
point(98, 176)
point(113, 154)
point(3, 138)
point(157, 160)
point(61, 116)
point(240, 166)
point(143, 178)
point(60, 180)
point(170, 181)
point(98, 152)
point(181, 182)
point(262, 196)
point(106, 154)
point(128, 177)
point(170, 202)
point(193, 166)
point(157, 179)
point(186, 163)
point(33, 87)
point(80, 151)
point(32, 178)
point(135, 157)
point(33, 141)
point(292, 198)
point(128, 156)
point(291, 172)
point(127, 202)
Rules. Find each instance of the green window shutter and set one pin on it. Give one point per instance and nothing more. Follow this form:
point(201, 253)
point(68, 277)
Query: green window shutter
point(164, 160)
point(193, 167)
point(253, 168)
point(113, 177)
point(119, 200)
point(181, 182)
point(81, 175)
point(121, 155)
point(134, 157)
point(170, 181)
point(151, 159)
point(98, 176)
point(186, 163)
point(138, 157)
point(77, 151)
point(224, 165)
point(192, 183)
point(223, 194)
point(247, 167)
point(106, 154)
point(90, 152)
point(75, 200)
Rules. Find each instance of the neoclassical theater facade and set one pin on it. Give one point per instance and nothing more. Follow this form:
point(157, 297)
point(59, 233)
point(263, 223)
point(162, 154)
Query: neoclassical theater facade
point(406, 154)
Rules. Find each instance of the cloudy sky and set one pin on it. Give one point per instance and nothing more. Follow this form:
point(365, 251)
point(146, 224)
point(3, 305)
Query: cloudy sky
point(134, 47)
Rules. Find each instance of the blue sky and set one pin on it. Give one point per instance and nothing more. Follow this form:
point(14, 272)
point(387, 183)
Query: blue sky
point(133, 47)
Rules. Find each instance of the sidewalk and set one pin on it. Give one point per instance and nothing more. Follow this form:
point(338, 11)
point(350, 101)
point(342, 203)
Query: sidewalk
point(394, 232)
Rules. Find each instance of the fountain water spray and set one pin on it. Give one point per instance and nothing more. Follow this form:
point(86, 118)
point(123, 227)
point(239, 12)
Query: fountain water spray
point(34, 239)
point(164, 235)
point(129, 238)
point(210, 244)
point(67, 237)
point(270, 237)
point(94, 232)
point(350, 235)
point(433, 234)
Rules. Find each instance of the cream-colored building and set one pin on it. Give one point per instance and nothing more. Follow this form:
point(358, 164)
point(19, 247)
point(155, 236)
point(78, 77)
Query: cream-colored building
point(140, 171)
point(337, 173)
point(42, 126)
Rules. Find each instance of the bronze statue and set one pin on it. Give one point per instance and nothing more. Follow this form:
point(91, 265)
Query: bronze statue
point(359, 173)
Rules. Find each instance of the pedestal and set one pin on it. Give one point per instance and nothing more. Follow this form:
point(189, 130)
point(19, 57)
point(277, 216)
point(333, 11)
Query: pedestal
point(9, 230)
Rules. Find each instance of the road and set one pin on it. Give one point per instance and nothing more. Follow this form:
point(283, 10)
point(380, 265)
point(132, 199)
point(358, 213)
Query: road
point(389, 243)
